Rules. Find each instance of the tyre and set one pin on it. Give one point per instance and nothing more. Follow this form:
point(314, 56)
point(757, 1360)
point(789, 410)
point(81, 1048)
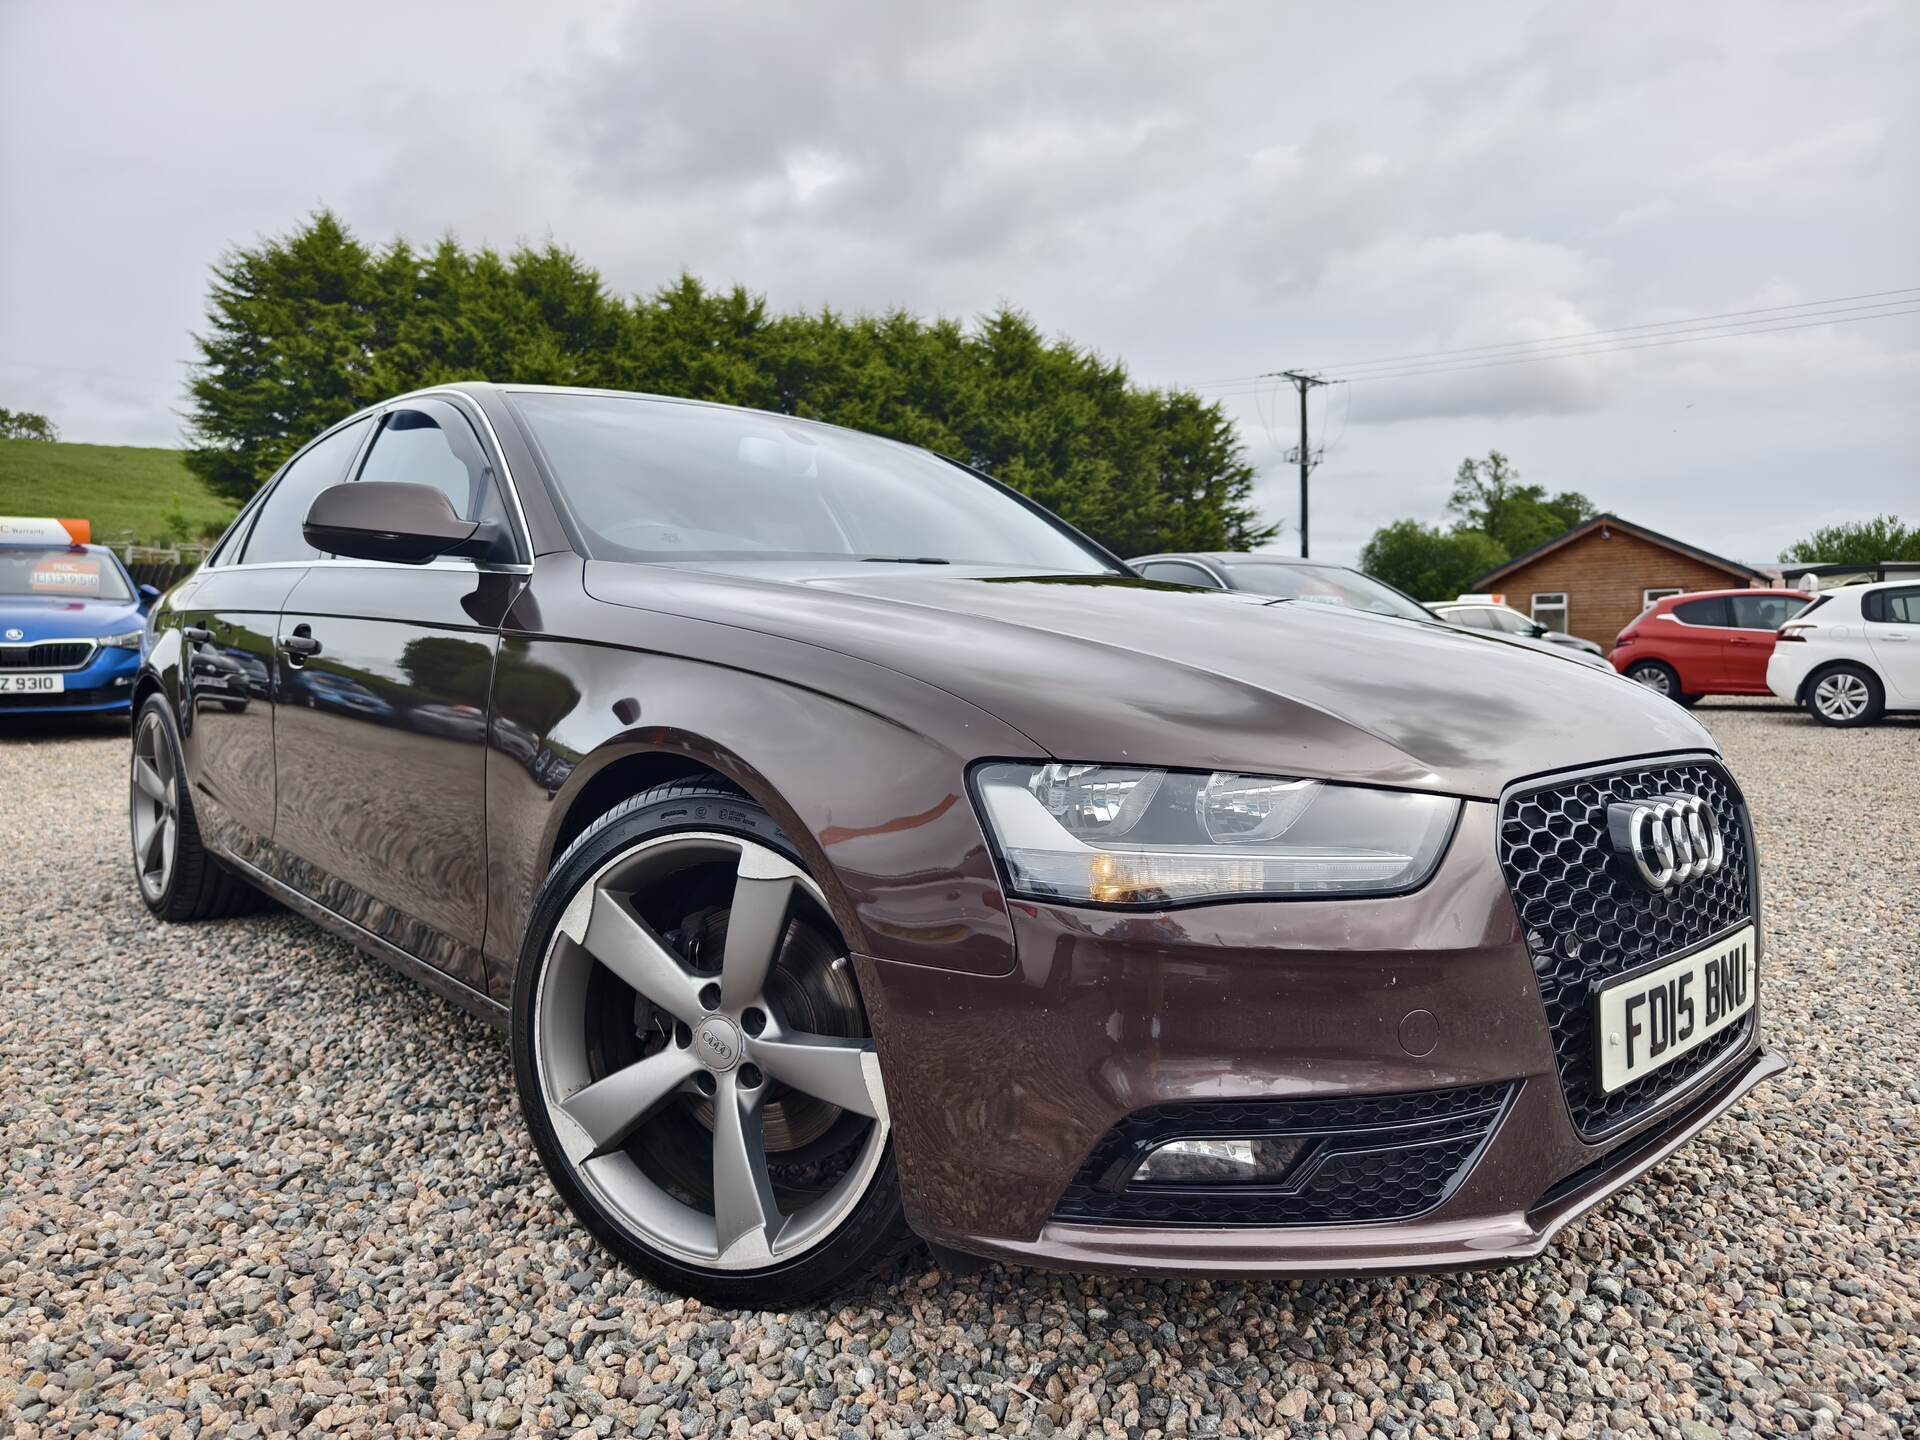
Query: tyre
point(1845, 696)
point(179, 878)
point(695, 1062)
point(1661, 678)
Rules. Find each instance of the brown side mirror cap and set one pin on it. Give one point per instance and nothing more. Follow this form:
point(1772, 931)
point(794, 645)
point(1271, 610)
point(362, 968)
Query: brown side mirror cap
point(382, 520)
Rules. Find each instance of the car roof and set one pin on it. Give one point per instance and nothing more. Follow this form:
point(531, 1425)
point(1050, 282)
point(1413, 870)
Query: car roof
point(1239, 557)
point(1686, 595)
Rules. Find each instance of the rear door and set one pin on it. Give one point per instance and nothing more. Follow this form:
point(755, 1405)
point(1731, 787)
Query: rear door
point(1695, 642)
point(1757, 619)
point(227, 662)
point(1893, 633)
point(380, 742)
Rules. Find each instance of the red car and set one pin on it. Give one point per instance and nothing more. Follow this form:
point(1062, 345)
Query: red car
point(1706, 642)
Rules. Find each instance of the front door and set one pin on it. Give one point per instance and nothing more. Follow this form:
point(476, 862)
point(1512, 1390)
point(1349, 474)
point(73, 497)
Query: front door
point(380, 738)
point(1697, 642)
point(1757, 619)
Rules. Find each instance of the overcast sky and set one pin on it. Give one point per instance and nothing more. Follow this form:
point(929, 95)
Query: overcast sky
point(1202, 191)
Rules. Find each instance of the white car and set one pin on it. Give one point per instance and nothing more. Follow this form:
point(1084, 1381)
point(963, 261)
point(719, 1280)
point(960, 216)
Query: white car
point(1853, 654)
point(1483, 613)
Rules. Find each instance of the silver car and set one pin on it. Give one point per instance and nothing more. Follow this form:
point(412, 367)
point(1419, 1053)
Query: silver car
point(1325, 583)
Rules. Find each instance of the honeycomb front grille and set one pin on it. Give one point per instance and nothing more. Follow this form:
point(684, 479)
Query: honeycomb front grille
point(1363, 1159)
point(1586, 921)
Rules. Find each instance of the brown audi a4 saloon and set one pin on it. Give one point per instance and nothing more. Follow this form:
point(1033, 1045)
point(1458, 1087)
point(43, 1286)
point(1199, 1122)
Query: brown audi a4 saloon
point(852, 850)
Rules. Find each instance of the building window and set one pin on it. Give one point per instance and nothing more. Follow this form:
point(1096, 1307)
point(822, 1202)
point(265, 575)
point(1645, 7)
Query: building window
point(1650, 598)
point(1550, 609)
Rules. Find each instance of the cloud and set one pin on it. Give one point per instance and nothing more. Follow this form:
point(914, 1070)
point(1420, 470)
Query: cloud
point(1206, 191)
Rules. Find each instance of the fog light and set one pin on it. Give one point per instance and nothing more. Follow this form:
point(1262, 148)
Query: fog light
point(1185, 1161)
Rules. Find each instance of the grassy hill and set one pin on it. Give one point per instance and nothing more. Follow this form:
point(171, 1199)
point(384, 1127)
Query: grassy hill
point(130, 493)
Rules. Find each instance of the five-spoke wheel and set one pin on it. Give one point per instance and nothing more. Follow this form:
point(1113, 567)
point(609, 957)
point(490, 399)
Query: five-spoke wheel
point(696, 1060)
point(154, 802)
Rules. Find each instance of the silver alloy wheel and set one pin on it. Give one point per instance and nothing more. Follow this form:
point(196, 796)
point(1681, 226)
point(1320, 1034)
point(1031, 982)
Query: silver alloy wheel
point(726, 1048)
point(1841, 696)
point(1654, 678)
point(154, 800)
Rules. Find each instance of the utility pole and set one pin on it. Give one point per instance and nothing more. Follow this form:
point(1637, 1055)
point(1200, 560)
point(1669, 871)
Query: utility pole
point(1303, 382)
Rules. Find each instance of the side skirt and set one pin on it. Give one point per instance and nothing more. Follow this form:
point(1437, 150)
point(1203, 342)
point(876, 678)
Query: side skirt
point(421, 973)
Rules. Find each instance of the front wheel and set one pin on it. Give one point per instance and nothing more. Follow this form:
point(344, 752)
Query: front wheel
point(694, 1059)
point(1845, 696)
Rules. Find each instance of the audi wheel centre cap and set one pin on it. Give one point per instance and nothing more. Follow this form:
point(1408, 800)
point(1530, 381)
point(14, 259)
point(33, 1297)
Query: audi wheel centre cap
point(717, 1043)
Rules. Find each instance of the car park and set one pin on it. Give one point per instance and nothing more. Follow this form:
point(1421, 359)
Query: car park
point(1490, 612)
point(71, 621)
point(1852, 655)
point(859, 851)
point(1323, 582)
point(1712, 642)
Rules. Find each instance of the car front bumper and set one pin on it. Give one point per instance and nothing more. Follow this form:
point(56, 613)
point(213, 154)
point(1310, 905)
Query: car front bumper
point(1001, 1088)
point(103, 686)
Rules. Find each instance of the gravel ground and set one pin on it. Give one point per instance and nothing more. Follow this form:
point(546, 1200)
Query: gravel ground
point(255, 1183)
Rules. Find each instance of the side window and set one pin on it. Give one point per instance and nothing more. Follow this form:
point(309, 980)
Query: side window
point(1714, 611)
point(433, 445)
point(276, 530)
point(1898, 607)
point(1763, 612)
point(1550, 610)
point(1178, 572)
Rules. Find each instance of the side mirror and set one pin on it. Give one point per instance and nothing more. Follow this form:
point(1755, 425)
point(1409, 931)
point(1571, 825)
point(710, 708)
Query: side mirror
point(148, 594)
point(1540, 632)
point(381, 520)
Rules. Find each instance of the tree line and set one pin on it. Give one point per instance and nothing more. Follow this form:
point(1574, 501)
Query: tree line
point(1495, 517)
point(27, 425)
point(305, 328)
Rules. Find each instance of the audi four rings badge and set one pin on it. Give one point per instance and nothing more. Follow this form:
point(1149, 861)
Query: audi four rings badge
point(1666, 841)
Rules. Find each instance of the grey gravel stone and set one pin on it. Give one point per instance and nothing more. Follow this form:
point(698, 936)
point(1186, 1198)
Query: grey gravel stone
point(257, 1185)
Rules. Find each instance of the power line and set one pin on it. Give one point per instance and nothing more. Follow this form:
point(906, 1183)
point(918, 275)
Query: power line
point(1620, 344)
point(1701, 321)
point(1671, 326)
point(1649, 344)
point(1549, 347)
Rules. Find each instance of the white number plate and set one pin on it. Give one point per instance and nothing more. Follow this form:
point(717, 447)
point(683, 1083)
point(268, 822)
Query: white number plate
point(31, 684)
point(1653, 1018)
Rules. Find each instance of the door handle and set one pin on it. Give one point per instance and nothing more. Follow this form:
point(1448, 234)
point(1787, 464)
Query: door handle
point(198, 634)
point(1896, 635)
point(300, 644)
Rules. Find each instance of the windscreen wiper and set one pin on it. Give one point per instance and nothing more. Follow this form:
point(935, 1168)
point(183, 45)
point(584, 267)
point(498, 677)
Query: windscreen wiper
point(903, 560)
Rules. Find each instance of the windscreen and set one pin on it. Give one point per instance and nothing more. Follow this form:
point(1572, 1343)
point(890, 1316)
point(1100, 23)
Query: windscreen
point(655, 480)
point(1325, 585)
point(59, 573)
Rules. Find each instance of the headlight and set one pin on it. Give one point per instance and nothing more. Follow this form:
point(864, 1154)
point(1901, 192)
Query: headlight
point(1111, 835)
point(129, 641)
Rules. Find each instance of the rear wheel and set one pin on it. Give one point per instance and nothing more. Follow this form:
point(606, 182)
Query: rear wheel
point(178, 876)
point(694, 1059)
point(1845, 696)
point(1661, 678)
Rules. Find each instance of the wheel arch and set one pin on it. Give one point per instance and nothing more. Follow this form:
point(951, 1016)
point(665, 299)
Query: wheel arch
point(624, 767)
point(1827, 667)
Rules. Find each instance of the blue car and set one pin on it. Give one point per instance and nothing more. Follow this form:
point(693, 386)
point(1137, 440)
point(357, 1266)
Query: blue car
point(71, 625)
